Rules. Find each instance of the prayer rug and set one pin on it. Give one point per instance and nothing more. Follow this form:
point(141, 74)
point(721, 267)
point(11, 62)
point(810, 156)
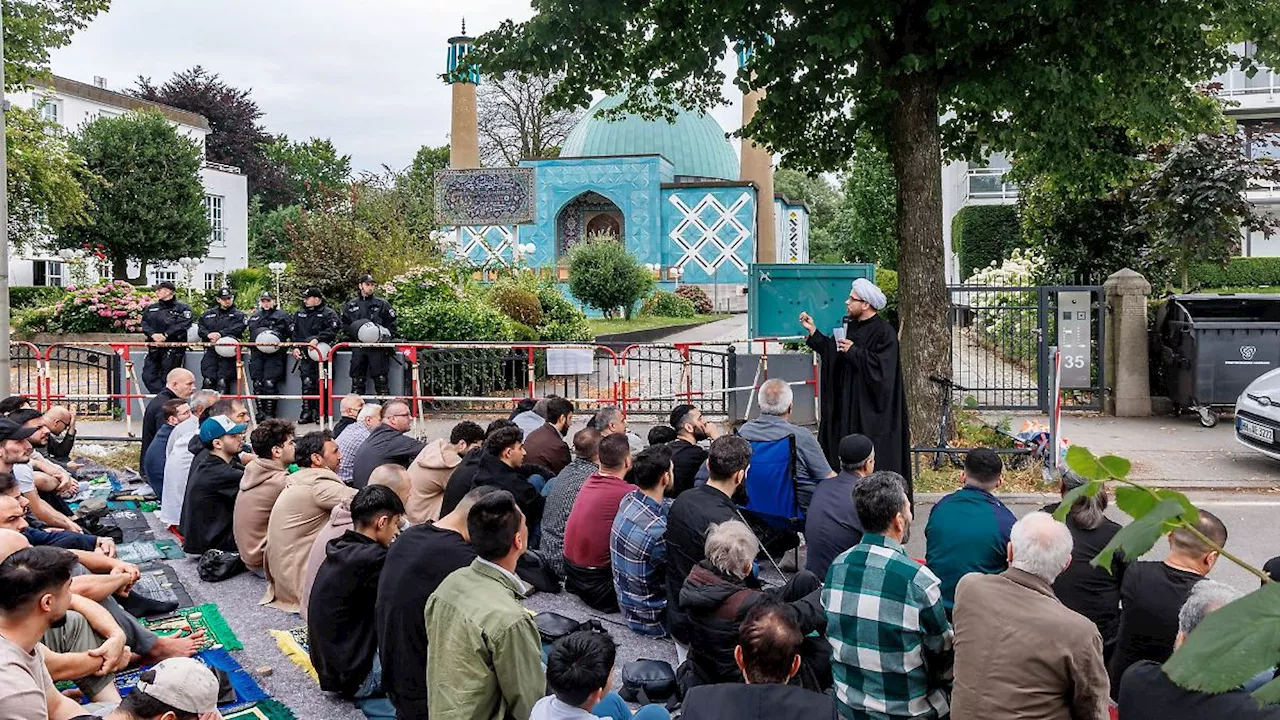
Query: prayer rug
point(145, 551)
point(160, 582)
point(295, 646)
point(218, 634)
point(246, 690)
point(269, 709)
point(132, 523)
point(135, 505)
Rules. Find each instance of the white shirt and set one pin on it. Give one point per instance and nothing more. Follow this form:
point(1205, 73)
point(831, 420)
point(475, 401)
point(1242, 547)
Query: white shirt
point(176, 469)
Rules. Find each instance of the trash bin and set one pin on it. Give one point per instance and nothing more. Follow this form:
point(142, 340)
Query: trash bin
point(1213, 346)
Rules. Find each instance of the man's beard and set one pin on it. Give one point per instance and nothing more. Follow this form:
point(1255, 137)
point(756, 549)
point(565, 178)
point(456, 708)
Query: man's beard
point(906, 535)
point(740, 495)
point(59, 622)
point(700, 434)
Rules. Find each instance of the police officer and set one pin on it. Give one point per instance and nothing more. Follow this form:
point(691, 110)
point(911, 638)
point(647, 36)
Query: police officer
point(219, 321)
point(267, 368)
point(315, 322)
point(369, 361)
point(165, 320)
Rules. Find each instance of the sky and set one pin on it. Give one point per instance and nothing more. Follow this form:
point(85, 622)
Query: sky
point(364, 74)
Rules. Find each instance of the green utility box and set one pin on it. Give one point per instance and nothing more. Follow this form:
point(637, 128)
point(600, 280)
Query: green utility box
point(778, 293)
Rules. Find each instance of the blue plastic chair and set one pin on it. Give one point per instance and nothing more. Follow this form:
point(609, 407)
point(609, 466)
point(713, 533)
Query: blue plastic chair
point(771, 484)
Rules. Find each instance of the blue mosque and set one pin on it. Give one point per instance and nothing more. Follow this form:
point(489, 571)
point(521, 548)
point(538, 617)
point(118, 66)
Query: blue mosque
point(676, 193)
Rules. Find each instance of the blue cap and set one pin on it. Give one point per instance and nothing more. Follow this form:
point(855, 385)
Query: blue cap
point(217, 426)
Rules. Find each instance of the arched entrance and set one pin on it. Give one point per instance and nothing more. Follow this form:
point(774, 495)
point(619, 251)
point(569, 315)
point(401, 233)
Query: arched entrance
point(587, 214)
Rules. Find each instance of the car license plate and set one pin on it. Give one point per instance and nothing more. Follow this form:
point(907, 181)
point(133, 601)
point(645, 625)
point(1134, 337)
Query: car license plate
point(1256, 431)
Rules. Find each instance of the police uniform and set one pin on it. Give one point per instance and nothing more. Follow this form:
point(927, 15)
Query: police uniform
point(366, 362)
point(318, 323)
point(219, 373)
point(170, 318)
point(267, 369)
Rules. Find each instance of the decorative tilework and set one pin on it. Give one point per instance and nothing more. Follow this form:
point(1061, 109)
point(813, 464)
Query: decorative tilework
point(485, 196)
point(486, 244)
point(709, 232)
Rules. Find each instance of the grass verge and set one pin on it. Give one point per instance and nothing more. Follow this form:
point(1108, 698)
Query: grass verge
point(603, 326)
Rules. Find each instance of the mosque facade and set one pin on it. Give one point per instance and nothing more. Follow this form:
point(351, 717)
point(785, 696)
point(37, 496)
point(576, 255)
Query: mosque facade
point(674, 192)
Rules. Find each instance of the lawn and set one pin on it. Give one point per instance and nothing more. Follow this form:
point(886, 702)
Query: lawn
point(602, 326)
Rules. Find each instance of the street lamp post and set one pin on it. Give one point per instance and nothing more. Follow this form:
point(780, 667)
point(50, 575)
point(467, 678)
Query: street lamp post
point(189, 273)
point(277, 269)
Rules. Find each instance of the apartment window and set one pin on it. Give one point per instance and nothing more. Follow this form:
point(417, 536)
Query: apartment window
point(104, 270)
point(212, 281)
point(47, 273)
point(48, 108)
point(163, 275)
point(213, 210)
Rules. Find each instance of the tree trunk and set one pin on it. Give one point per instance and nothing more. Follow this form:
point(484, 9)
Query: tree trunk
point(916, 152)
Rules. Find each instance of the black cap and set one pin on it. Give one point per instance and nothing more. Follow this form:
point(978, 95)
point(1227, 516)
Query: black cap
point(10, 430)
point(367, 278)
point(855, 449)
point(267, 296)
point(225, 294)
point(167, 284)
point(312, 292)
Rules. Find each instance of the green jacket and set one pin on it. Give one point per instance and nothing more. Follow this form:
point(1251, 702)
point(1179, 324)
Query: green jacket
point(484, 655)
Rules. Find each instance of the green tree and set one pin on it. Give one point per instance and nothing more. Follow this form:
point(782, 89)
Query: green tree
point(34, 27)
point(822, 198)
point(426, 162)
point(268, 231)
point(1193, 205)
point(865, 227)
point(603, 275)
point(152, 208)
point(1084, 239)
point(1031, 78)
point(312, 170)
point(45, 181)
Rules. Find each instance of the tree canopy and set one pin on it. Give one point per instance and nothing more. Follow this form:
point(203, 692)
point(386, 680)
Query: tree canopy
point(1035, 79)
point(34, 27)
point(310, 169)
point(152, 209)
point(515, 121)
point(45, 179)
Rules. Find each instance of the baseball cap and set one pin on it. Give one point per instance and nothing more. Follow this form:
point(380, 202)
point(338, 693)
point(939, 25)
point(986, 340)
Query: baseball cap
point(313, 292)
point(367, 278)
point(10, 430)
point(855, 449)
point(225, 293)
point(182, 684)
point(217, 426)
point(167, 284)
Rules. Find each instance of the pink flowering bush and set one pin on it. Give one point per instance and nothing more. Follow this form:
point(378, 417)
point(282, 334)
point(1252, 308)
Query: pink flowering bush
point(110, 307)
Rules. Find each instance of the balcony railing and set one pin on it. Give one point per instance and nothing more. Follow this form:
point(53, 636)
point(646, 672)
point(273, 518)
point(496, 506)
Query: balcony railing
point(989, 184)
point(1236, 83)
point(222, 168)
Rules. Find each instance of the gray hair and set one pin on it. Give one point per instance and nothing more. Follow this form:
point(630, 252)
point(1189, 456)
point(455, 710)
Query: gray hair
point(1041, 546)
point(202, 399)
point(604, 417)
point(775, 397)
point(731, 546)
point(1206, 596)
point(370, 410)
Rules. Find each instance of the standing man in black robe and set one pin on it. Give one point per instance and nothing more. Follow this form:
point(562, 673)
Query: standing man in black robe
point(860, 383)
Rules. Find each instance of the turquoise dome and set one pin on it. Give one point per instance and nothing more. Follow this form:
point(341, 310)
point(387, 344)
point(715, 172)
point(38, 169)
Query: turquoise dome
point(694, 143)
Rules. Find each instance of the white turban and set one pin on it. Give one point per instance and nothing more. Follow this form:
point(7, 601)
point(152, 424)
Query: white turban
point(868, 291)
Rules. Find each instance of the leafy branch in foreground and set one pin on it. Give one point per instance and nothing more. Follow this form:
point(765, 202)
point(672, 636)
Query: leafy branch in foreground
point(1235, 642)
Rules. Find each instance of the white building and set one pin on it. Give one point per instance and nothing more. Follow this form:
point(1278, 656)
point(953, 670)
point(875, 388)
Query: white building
point(71, 104)
point(1254, 103)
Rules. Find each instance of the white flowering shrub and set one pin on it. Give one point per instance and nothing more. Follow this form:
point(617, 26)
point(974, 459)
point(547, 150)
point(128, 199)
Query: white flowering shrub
point(1006, 317)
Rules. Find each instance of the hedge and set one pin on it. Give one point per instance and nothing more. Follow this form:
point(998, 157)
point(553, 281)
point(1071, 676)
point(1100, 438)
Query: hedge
point(23, 298)
point(983, 234)
point(1241, 272)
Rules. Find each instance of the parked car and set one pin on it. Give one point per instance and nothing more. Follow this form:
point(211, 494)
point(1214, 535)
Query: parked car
point(1258, 415)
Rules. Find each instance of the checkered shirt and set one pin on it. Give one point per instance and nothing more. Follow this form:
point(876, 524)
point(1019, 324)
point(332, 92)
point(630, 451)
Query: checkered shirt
point(349, 442)
point(638, 553)
point(890, 639)
point(556, 513)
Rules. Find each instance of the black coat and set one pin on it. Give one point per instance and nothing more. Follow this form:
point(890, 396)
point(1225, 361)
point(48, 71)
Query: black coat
point(862, 391)
point(317, 323)
point(153, 417)
point(360, 308)
point(228, 323)
point(169, 317)
point(275, 320)
point(716, 605)
point(384, 445)
point(481, 468)
point(736, 701)
point(209, 507)
point(341, 625)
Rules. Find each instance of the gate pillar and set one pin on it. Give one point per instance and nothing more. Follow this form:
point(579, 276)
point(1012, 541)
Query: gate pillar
point(1127, 349)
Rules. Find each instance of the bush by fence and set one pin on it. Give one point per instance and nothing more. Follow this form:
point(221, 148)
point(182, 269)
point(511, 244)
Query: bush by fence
point(23, 298)
point(696, 295)
point(1006, 320)
point(1239, 272)
point(984, 234)
point(110, 307)
point(665, 304)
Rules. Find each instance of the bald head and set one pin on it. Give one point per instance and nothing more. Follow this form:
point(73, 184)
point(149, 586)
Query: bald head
point(11, 542)
point(58, 413)
point(181, 381)
point(392, 476)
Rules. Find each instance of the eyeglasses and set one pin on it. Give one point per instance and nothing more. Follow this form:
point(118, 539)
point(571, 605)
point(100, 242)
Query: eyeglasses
point(393, 417)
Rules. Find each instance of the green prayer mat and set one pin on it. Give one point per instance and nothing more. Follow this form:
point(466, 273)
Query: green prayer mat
point(207, 617)
point(268, 709)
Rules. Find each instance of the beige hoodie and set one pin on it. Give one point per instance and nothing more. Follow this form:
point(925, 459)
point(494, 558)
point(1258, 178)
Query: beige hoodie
point(429, 473)
point(259, 487)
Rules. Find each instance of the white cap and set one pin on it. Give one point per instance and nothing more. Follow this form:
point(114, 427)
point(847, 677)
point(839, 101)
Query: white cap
point(182, 684)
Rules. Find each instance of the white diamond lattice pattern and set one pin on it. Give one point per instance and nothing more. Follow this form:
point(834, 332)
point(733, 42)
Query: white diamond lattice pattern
point(709, 233)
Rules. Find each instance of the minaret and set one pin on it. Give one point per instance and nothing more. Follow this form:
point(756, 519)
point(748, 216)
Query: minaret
point(464, 144)
point(757, 166)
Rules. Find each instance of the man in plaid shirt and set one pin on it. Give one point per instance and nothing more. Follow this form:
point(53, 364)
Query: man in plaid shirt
point(890, 639)
point(638, 545)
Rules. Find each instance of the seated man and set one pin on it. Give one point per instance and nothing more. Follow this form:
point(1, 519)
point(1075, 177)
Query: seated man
point(429, 473)
point(545, 446)
point(390, 442)
point(209, 508)
point(968, 530)
point(579, 676)
point(498, 464)
point(300, 512)
point(564, 491)
point(179, 455)
point(831, 526)
point(350, 408)
point(774, 423)
point(768, 655)
point(341, 625)
point(687, 453)
point(716, 598)
point(638, 543)
point(61, 421)
point(587, 570)
point(354, 436)
point(264, 479)
point(21, 432)
point(15, 402)
point(175, 412)
point(660, 435)
point(174, 689)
